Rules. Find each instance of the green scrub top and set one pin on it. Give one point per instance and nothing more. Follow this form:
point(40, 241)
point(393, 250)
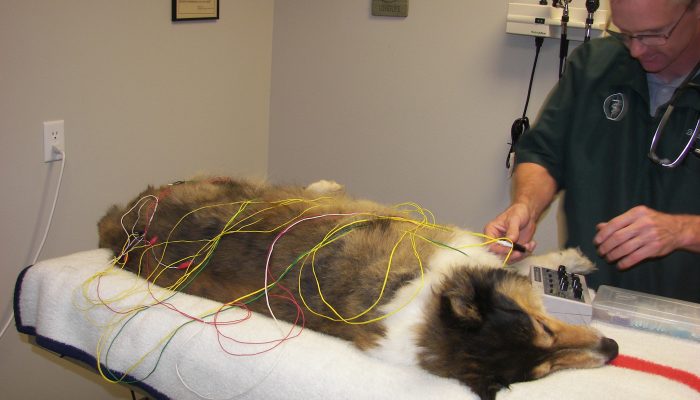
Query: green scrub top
point(593, 136)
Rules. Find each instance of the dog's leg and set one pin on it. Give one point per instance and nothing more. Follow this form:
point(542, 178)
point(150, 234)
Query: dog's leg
point(325, 187)
point(572, 258)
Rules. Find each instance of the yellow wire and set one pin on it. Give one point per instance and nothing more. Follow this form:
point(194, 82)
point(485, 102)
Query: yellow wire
point(425, 220)
point(350, 320)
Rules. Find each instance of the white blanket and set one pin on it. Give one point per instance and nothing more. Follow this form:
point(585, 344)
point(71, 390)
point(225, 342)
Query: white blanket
point(195, 363)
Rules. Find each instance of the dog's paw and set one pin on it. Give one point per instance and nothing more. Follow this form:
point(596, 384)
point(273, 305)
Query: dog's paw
point(572, 258)
point(323, 186)
point(576, 262)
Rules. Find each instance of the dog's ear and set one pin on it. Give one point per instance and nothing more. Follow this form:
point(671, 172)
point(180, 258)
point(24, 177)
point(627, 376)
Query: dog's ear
point(458, 303)
point(109, 229)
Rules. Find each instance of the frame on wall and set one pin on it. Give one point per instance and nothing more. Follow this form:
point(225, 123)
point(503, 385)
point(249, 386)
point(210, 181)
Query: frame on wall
point(188, 10)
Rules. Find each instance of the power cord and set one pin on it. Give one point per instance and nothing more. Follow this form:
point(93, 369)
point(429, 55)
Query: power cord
point(522, 124)
point(46, 231)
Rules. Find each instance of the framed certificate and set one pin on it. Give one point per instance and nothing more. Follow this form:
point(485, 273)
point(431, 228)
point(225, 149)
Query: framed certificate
point(187, 10)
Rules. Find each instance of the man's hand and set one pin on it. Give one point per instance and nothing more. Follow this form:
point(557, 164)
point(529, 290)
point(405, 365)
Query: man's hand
point(533, 191)
point(642, 233)
point(517, 224)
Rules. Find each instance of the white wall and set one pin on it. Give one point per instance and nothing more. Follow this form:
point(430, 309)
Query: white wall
point(398, 109)
point(144, 101)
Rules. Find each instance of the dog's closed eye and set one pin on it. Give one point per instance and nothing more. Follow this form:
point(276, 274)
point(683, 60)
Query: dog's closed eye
point(546, 328)
point(546, 337)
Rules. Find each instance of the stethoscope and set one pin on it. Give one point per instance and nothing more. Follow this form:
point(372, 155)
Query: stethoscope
point(665, 162)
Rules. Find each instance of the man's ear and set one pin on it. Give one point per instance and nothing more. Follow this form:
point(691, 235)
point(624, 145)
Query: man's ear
point(696, 9)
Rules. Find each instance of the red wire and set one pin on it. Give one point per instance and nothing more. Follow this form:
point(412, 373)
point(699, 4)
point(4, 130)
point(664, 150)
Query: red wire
point(289, 296)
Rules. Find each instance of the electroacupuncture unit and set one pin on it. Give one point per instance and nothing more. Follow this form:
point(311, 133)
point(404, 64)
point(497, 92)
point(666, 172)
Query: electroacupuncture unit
point(565, 295)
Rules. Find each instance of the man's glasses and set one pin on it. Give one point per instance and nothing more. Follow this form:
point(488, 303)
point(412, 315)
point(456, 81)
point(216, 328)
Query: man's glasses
point(652, 39)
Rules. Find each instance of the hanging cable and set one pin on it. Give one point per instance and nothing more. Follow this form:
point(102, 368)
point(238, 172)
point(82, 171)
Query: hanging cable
point(46, 231)
point(564, 42)
point(522, 124)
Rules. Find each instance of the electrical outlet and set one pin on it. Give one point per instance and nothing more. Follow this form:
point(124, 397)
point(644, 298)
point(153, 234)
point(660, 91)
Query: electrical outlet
point(54, 136)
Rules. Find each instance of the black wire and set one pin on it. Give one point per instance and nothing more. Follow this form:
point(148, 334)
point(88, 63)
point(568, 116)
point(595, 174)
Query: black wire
point(522, 124)
point(563, 52)
point(538, 45)
point(564, 41)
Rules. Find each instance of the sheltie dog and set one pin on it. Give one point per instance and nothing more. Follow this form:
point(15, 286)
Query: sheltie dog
point(388, 279)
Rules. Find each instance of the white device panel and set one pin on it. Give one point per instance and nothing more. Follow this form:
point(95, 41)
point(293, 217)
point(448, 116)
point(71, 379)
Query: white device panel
point(564, 295)
point(532, 19)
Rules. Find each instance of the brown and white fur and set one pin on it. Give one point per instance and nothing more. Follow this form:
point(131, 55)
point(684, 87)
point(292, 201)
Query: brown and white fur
point(472, 320)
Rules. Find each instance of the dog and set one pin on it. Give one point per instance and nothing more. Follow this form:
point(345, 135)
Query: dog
point(388, 279)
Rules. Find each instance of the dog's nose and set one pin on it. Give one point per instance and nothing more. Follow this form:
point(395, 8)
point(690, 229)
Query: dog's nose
point(609, 348)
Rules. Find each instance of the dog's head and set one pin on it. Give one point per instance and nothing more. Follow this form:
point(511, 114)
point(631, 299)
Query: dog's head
point(116, 226)
point(488, 329)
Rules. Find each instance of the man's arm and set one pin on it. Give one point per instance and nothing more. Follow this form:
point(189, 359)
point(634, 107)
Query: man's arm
point(533, 191)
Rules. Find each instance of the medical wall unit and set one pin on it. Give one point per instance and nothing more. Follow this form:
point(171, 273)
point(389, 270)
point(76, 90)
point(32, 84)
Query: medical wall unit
point(547, 18)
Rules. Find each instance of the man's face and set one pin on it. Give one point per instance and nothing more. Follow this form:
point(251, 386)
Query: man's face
point(651, 17)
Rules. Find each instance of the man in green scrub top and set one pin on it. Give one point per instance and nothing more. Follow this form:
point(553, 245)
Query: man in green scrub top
point(637, 220)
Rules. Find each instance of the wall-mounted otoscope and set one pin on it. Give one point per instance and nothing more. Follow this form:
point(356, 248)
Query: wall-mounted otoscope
point(564, 44)
point(591, 7)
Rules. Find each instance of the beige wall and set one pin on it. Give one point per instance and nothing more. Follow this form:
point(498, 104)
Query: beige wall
point(398, 109)
point(417, 108)
point(144, 101)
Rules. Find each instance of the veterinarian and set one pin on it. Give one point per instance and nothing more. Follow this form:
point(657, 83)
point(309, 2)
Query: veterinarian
point(638, 220)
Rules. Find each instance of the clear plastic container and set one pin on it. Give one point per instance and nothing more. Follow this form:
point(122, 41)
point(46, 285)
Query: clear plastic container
point(647, 312)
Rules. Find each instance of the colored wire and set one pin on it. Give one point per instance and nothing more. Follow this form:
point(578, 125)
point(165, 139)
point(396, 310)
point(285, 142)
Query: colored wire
point(138, 310)
point(272, 247)
point(239, 223)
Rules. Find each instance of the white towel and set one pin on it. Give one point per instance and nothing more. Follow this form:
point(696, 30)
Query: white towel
point(50, 304)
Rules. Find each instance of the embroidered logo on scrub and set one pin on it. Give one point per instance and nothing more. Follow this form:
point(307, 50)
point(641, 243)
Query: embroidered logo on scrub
point(615, 107)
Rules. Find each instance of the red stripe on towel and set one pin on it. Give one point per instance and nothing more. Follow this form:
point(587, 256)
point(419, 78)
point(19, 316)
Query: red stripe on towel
point(638, 364)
